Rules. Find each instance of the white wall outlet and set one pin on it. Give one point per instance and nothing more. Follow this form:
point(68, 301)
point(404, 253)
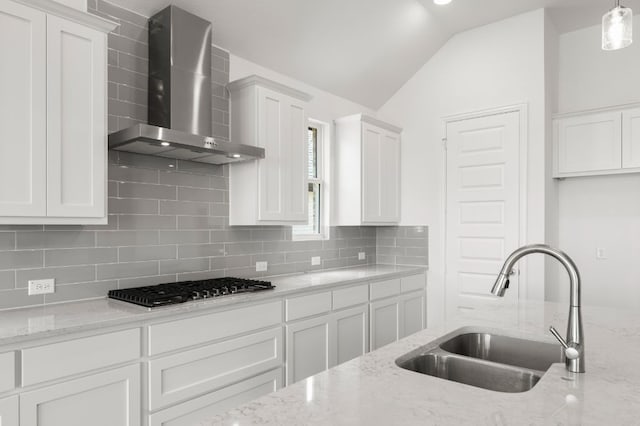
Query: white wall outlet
point(362, 256)
point(315, 261)
point(261, 266)
point(601, 253)
point(42, 286)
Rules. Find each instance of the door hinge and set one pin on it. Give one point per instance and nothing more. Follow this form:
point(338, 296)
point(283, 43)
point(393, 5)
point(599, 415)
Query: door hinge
point(444, 143)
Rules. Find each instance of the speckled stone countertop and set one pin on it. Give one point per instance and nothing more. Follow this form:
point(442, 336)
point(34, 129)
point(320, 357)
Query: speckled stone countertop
point(25, 324)
point(372, 390)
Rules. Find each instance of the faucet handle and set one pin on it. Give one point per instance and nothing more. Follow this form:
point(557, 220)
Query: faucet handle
point(569, 351)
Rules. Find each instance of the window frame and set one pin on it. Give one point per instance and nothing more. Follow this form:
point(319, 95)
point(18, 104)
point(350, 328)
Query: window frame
point(322, 179)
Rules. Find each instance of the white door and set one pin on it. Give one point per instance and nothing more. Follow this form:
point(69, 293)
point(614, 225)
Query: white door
point(9, 411)
point(371, 179)
point(111, 398)
point(309, 348)
point(412, 313)
point(352, 333)
point(483, 205)
point(631, 139)
point(283, 173)
point(390, 178)
point(385, 322)
point(23, 91)
point(76, 130)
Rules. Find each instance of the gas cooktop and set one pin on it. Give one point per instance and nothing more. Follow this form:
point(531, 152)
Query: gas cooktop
point(172, 293)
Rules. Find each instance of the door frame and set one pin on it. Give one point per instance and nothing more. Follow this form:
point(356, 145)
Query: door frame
point(523, 112)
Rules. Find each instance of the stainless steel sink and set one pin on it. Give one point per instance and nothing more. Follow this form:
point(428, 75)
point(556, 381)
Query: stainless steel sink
point(484, 359)
point(485, 375)
point(505, 350)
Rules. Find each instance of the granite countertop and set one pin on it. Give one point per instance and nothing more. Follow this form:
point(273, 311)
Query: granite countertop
point(372, 390)
point(19, 325)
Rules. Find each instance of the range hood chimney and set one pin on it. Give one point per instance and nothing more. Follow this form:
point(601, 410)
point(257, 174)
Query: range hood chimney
point(180, 115)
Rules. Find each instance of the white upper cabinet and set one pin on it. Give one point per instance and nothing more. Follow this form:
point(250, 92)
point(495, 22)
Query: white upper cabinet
point(273, 190)
point(367, 172)
point(631, 138)
point(53, 115)
point(23, 114)
point(597, 143)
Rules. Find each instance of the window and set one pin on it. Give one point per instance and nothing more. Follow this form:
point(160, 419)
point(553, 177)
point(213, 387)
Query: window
point(317, 188)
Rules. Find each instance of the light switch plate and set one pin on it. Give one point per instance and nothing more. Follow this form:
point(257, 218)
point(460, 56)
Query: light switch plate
point(261, 266)
point(46, 286)
point(362, 256)
point(315, 261)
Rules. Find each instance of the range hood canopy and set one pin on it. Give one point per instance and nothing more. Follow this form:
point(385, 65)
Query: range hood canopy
point(180, 115)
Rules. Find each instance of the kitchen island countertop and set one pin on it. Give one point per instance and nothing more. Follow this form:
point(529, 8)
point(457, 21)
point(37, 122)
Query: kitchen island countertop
point(373, 390)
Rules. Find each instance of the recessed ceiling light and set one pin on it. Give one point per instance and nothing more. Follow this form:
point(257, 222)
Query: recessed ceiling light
point(441, 2)
point(165, 143)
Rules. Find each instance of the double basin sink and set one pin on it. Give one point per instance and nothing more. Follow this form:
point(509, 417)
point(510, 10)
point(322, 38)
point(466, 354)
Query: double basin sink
point(484, 359)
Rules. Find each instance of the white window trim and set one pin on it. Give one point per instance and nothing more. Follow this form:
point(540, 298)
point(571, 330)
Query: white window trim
point(324, 152)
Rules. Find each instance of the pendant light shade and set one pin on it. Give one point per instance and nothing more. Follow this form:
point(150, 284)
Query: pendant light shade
point(617, 28)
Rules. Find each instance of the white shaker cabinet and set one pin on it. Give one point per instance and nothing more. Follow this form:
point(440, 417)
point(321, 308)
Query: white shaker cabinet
point(351, 333)
point(273, 190)
point(9, 411)
point(53, 147)
point(309, 348)
point(111, 398)
point(385, 322)
point(631, 138)
point(367, 172)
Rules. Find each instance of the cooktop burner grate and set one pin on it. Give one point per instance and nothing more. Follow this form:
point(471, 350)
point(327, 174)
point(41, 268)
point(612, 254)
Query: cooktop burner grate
point(180, 292)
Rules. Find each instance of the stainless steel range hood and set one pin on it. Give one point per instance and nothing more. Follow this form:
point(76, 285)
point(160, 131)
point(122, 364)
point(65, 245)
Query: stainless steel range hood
point(180, 115)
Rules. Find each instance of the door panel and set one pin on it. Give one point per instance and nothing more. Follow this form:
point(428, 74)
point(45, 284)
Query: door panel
point(413, 313)
point(631, 139)
point(390, 178)
point(371, 140)
point(385, 322)
point(309, 350)
point(23, 146)
point(76, 128)
point(9, 411)
point(483, 205)
point(352, 333)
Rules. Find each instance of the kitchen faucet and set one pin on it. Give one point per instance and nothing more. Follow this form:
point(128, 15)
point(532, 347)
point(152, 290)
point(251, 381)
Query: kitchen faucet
point(574, 344)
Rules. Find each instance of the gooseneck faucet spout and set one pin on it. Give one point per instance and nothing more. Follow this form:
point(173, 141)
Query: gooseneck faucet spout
point(574, 343)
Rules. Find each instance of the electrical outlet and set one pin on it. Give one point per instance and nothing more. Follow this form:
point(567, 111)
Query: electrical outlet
point(601, 253)
point(261, 266)
point(315, 261)
point(42, 286)
point(362, 256)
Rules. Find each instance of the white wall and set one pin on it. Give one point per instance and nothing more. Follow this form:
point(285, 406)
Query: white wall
point(599, 212)
point(492, 66)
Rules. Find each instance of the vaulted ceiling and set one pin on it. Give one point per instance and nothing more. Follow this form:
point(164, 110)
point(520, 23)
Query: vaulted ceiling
point(361, 50)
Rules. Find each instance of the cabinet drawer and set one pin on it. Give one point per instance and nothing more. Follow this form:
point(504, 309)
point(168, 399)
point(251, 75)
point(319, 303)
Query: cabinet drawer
point(185, 375)
point(412, 283)
point(180, 334)
point(63, 359)
point(306, 306)
point(351, 296)
point(383, 289)
point(7, 371)
point(213, 403)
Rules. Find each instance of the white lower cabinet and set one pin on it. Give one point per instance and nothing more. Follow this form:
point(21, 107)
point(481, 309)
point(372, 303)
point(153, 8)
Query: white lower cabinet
point(352, 337)
point(9, 411)
point(111, 398)
point(385, 322)
point(198, 409)
point(412, 313)
point(309, 348)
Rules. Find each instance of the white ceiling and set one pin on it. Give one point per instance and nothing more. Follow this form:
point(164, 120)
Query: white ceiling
point(362, 50)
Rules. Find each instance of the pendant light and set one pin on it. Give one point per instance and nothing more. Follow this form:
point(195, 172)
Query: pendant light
point(617, 25)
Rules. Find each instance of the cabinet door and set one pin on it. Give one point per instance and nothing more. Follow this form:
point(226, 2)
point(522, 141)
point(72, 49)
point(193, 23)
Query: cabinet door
point(207, 406)
point(309, 348)
point(23, 143)
point(631, 139)
point(390, 178)
point(371, 179)
point(9, 411)
point(412, 313)
point(385, 322)
point(352, 333)
point(282, 187)
point(106, 399)
point(76, 114)
point(589, 143)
